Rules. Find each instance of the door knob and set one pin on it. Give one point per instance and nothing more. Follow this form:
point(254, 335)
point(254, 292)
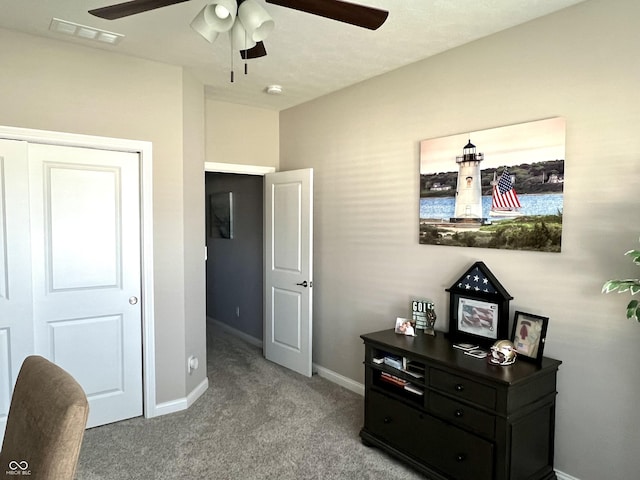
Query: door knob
point(133, 300)
point(303, 284)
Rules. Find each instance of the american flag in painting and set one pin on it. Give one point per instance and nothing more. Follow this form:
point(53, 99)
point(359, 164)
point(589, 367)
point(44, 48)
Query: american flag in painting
point(476, 281)
point(504, 195)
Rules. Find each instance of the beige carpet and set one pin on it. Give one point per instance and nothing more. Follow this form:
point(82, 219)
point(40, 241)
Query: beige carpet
point(257, 420)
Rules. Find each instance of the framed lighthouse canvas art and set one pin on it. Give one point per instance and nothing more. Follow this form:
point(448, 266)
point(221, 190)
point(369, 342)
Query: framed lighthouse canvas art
point(496, 188)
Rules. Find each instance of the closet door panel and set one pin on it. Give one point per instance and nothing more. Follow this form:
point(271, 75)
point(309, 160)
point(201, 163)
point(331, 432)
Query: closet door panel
point(16, 313)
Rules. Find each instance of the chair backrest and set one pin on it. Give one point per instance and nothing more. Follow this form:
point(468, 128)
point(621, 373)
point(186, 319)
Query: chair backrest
point(46, 423)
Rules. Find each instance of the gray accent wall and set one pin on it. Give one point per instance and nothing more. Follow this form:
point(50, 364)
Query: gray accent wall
point(235, 266)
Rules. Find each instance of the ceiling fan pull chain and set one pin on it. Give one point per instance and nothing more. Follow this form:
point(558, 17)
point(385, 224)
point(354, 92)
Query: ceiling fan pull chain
point(231, 49)
point(246, 55)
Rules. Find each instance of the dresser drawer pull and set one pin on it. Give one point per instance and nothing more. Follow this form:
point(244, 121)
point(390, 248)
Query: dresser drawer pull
point(387, 420)
point(459, 413)
point(461, 457)
point(459, 387)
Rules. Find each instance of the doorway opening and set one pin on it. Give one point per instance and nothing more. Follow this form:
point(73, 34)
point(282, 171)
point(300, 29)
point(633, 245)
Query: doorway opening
point(234, 266)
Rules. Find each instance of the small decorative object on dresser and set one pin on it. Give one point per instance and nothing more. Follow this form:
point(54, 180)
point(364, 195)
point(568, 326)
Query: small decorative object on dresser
point(478, 307)
point(503, 353)
point(424, 316)
point(404, 327)
point(454, 417)
point(528, 335)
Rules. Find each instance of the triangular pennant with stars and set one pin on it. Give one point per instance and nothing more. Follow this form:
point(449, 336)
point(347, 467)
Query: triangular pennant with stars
point(477, 281)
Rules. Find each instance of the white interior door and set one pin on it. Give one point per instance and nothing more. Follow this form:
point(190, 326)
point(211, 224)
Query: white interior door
point(16, 327)
point(289, 269)
point(85, 237)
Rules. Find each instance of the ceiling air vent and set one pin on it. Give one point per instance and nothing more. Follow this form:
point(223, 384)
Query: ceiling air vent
point(84, 32)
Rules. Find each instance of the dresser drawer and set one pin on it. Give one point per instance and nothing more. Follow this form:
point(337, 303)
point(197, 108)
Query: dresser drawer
point(459, 454)
point(449, 449)
point(399, 424)
point(462, 414)
point(463, 388)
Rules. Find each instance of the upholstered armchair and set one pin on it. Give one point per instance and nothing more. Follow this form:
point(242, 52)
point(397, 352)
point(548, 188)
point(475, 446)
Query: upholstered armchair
point(46, 423)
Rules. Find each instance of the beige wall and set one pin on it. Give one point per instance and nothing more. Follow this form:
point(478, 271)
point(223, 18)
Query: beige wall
point(582, 64)
point(194, 228)
point(60, 86)
point(240, 134)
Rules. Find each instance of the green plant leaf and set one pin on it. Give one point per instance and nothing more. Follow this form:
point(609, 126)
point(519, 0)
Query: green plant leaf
point(610, 286)
point(635, 256)
point(631, 285)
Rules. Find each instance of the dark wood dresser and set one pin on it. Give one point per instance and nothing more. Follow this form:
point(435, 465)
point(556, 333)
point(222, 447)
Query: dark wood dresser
point(455, 417)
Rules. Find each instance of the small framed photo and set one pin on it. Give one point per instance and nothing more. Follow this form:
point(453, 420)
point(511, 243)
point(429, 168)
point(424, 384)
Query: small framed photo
point(404, 326)
point(528, 335)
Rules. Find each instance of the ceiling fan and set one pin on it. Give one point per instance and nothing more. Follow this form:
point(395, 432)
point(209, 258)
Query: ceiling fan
point(247, 22)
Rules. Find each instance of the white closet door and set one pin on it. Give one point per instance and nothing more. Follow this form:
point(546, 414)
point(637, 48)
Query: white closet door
point(85, 231)
point(16, 326)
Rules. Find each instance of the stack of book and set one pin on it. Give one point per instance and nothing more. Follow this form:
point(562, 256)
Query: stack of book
point(387, 377)
point(400, 382)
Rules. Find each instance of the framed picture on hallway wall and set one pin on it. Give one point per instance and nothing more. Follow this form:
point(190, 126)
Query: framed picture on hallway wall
point(221, 215)
point(497, 188)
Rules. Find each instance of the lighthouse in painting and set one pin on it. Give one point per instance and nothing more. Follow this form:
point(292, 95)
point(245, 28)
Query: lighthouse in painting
point(469, 188)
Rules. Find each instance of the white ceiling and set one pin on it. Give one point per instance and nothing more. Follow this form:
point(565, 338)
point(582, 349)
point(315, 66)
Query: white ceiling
point(308, 56)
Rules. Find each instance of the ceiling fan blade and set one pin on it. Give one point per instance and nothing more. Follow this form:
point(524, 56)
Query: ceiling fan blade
point(125, 9)
point(358, 15)
point(255, 52)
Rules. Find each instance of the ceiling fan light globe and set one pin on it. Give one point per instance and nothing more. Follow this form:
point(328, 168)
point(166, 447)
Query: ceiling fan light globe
point(240, 39)
point(200, 25)
point(255, 19)
point(222, 12)
point(225, 10)
point(209, 24)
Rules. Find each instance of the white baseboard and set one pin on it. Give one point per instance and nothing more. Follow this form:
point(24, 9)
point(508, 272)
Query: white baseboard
point(256, 342)
point(179, 404)
point(172, 406)
point(339, 379)
point(197, 392)
point(564, 476)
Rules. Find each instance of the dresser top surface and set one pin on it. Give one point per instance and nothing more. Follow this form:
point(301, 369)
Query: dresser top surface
point(440, 350)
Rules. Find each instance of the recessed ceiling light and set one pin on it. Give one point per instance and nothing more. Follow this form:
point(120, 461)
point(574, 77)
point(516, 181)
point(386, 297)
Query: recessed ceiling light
point(274, 90)
point(82, 31)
